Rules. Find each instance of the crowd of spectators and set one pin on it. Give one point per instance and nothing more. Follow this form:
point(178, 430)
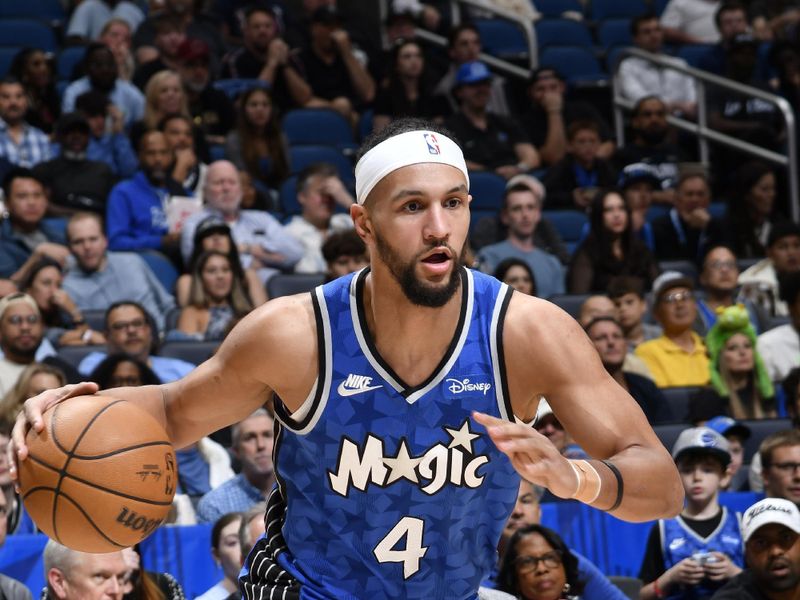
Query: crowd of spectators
point(153, 196)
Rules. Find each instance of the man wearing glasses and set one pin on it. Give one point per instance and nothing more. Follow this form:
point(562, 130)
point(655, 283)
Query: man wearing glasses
point(780, 460)
point(678, 357)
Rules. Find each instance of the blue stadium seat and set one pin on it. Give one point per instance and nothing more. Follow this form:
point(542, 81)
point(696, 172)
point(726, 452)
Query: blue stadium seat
point(759, 429)
point(67, 60)
point(296, 283)
point(659, 6)
point(6, 58)
point(562, 32)
point(569, 303)
point(502, 38)
point(685, 267)
point(288, 196)
point(657, 210)
point(57, 223)
point(678, 400)
point(234, 87)
point(365, 123)
point(668, 433)
point(569, 223)
point(318, 126)
point(614, 32)
point(194, 352)
point(163, 269)
point(610, 9)
point(575, 64)
point(47, 10)
point(302, 156)
point(718, 210)
point(95, 318)
point(27, 32)
point(217, 152)
point(73, 355)
point(613, 56)
point(693, 53)
point(556, 8)
point(487, 191)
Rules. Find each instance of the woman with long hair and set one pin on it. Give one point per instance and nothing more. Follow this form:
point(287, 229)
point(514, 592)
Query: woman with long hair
point(753, 212)
point(408, 90)
point(35, 379)
point(537, 565)
point(217, 298)
point(257, 145)
point(227, 553)
point(611, 248)
point(518, 274)
point(36, 72)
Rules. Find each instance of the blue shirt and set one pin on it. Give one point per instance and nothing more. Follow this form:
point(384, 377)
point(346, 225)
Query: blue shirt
point(13, 249)
point(125, 96)
point(168, 369)
point(116, 151)
point(547, 270)
point(32, 149)
point(235, 495)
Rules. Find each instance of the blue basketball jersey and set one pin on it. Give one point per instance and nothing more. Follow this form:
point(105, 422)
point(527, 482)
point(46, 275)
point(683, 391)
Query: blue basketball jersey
point(387, 490)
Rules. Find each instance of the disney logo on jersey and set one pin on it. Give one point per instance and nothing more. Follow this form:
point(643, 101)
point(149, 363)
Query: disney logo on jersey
point(452, 463)
point(356, 384)
point(456, 386)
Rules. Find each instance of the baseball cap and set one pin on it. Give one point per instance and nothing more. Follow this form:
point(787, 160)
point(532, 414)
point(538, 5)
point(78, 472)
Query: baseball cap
point(209, 225)
point(192, 50)
point(472, 72)
point(669, 280)
point(701, 440)
point(636, 173)
point(727, 426)
point(780, 230)
point(326, 14)
point(544, 73)
point(770, 510)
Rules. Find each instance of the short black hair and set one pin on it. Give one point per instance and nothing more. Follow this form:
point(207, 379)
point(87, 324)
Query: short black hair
point(343, 243)
point(601, 319)
point(637, 21)
point(259, 7)
point(18, 173)
point(397, 127)
point(505, 265)
point(92, 49)
point(789, 285)
point(317, 169)
point(638, 106)
point(92, 103)
point(625, 284)
point(456, 30)
point(515, 189)
point(782, 229)
point(728, 6)
point(103, 372)
point(162, 123)
point(151, 322)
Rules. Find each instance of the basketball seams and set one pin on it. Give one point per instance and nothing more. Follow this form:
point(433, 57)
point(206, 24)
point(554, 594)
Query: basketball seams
point(91, 522)
point(120, 451)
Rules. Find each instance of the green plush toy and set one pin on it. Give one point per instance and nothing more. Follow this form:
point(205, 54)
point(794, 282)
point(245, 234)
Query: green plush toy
point(730, 321)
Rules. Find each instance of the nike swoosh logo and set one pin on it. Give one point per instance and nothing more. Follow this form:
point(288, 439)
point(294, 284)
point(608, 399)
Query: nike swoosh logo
point(345, 391)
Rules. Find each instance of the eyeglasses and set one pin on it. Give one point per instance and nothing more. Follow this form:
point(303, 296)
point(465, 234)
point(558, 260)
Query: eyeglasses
point(528, 564)
point(20, 319)
point(125, 381)
point(676, 297)
point(789, 468)
point(123, 325)
point(718, 265)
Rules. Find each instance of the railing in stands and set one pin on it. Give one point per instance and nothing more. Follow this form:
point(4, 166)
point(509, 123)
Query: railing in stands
point(701, 129)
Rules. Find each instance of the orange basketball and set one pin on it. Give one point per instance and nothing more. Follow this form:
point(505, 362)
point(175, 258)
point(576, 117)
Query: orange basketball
point(100, 476)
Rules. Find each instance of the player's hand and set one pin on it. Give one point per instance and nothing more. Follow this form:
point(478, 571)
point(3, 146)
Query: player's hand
point(31, 417)
point(721, 568)
point(686, 572)
point(532, 455)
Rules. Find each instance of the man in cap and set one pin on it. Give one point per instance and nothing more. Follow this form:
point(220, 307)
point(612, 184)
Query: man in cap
point(770, 531)
point(491, 142)
point(638, 182)
point(678, 357)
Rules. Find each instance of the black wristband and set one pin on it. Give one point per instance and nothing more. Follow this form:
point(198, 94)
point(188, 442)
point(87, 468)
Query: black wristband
point(620, 486)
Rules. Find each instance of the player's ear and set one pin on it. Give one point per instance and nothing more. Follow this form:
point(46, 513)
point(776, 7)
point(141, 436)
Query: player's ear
point(57, 581)
point(361, 221)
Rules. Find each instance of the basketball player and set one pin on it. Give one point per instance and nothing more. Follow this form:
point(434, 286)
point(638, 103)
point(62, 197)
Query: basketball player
point(404, 389)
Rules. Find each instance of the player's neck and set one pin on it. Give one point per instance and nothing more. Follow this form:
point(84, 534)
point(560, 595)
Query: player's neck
point(701, 511)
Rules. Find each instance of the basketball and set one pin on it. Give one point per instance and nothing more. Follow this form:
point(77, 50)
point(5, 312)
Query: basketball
point(100, 476)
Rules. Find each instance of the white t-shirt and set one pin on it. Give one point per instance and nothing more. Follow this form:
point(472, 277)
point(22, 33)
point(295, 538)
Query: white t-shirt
point(694, 18)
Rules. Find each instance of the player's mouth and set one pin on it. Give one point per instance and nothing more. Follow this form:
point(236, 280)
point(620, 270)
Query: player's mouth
point(438, 261)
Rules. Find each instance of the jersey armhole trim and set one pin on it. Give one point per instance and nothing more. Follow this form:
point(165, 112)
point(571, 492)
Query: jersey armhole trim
point(498, 356)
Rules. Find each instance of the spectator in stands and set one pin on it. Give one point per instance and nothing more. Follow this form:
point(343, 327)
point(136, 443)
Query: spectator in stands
point(210, 108)
point(780, 346)
point(169, 35)
point(265, 56)
point(21, 144)
point(639, 78)
point(204, 465)
point(650, 144)
point(753, 209)
point(574, 181)
point(116, 34)
point(740, 384)
point(338, 80)
point(22, 341)
point(538, 565)
point(737, 434)
point(637, 182)
point(718, 285)
point(491, 142)
point(319, 192)
point(678, 357)
point(407, 90)
point(760, 282)
point(227, 553)
point(731, 20)
point(90, 17)
point(256, 195)
point(258, 144)
point(193, 23)
point(73, 181)
point(130, 329)
point(770, 531)
point(73, 575)
point(610, 250)
point(516, 273)
point(690, 22)
point(122, 370)
point(608, 338)
point(62, 318)
point(217, 298)
point(693, 555)
point(464, 46)
point(36, 72)
point(34, 379)
point(520, 213)
point(24, 236)
point(102, 76)
point(688, 229)
point(262, 242)
point(10, 588)
point(107, 140)
point(548, 424)
point(141, 584)
point(252, 445)
point(549, 114)
point(791, 392)
point(344, 252)
point(213, 234)
point(780, 457)
point(627, 293)
point(100, 278)
point(188, 168)
point(136, 215)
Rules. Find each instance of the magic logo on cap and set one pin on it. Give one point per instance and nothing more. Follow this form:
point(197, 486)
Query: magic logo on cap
point(432, 142)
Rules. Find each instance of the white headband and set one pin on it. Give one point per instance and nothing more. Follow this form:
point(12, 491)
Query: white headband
point(410, 148)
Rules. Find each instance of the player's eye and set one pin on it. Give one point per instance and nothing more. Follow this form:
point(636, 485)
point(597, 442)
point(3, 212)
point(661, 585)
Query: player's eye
point(412, 206)
point(453, 202)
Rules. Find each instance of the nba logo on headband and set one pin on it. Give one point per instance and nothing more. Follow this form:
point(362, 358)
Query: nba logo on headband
point(433, 144)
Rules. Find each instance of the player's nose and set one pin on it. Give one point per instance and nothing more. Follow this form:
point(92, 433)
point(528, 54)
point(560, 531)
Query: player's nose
point(437, 226)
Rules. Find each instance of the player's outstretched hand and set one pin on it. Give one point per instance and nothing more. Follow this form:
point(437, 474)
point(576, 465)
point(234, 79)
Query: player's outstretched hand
point(532, 454)
point(31, 416)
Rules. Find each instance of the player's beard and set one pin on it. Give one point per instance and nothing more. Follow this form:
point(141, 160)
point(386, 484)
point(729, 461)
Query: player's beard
point(417, 291)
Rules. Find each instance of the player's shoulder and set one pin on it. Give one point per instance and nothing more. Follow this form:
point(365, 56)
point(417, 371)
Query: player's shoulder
point(533, 314)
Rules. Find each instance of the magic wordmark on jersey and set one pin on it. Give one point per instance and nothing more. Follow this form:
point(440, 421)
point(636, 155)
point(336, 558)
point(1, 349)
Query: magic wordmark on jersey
point(452, 461)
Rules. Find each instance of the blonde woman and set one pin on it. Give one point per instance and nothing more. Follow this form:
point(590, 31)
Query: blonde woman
point(36, 378)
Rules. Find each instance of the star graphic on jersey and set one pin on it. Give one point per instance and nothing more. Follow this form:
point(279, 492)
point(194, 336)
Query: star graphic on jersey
point(462, 436)
point(402, 465)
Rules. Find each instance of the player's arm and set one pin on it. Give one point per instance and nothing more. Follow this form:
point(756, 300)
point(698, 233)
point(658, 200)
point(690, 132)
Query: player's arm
point(547, 354)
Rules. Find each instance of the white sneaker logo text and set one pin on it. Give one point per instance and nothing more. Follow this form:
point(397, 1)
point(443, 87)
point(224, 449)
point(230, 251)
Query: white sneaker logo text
point(356, 384)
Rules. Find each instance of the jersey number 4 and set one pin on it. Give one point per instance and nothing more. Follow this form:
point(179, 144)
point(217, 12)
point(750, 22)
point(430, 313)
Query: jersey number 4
point(409, 528)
